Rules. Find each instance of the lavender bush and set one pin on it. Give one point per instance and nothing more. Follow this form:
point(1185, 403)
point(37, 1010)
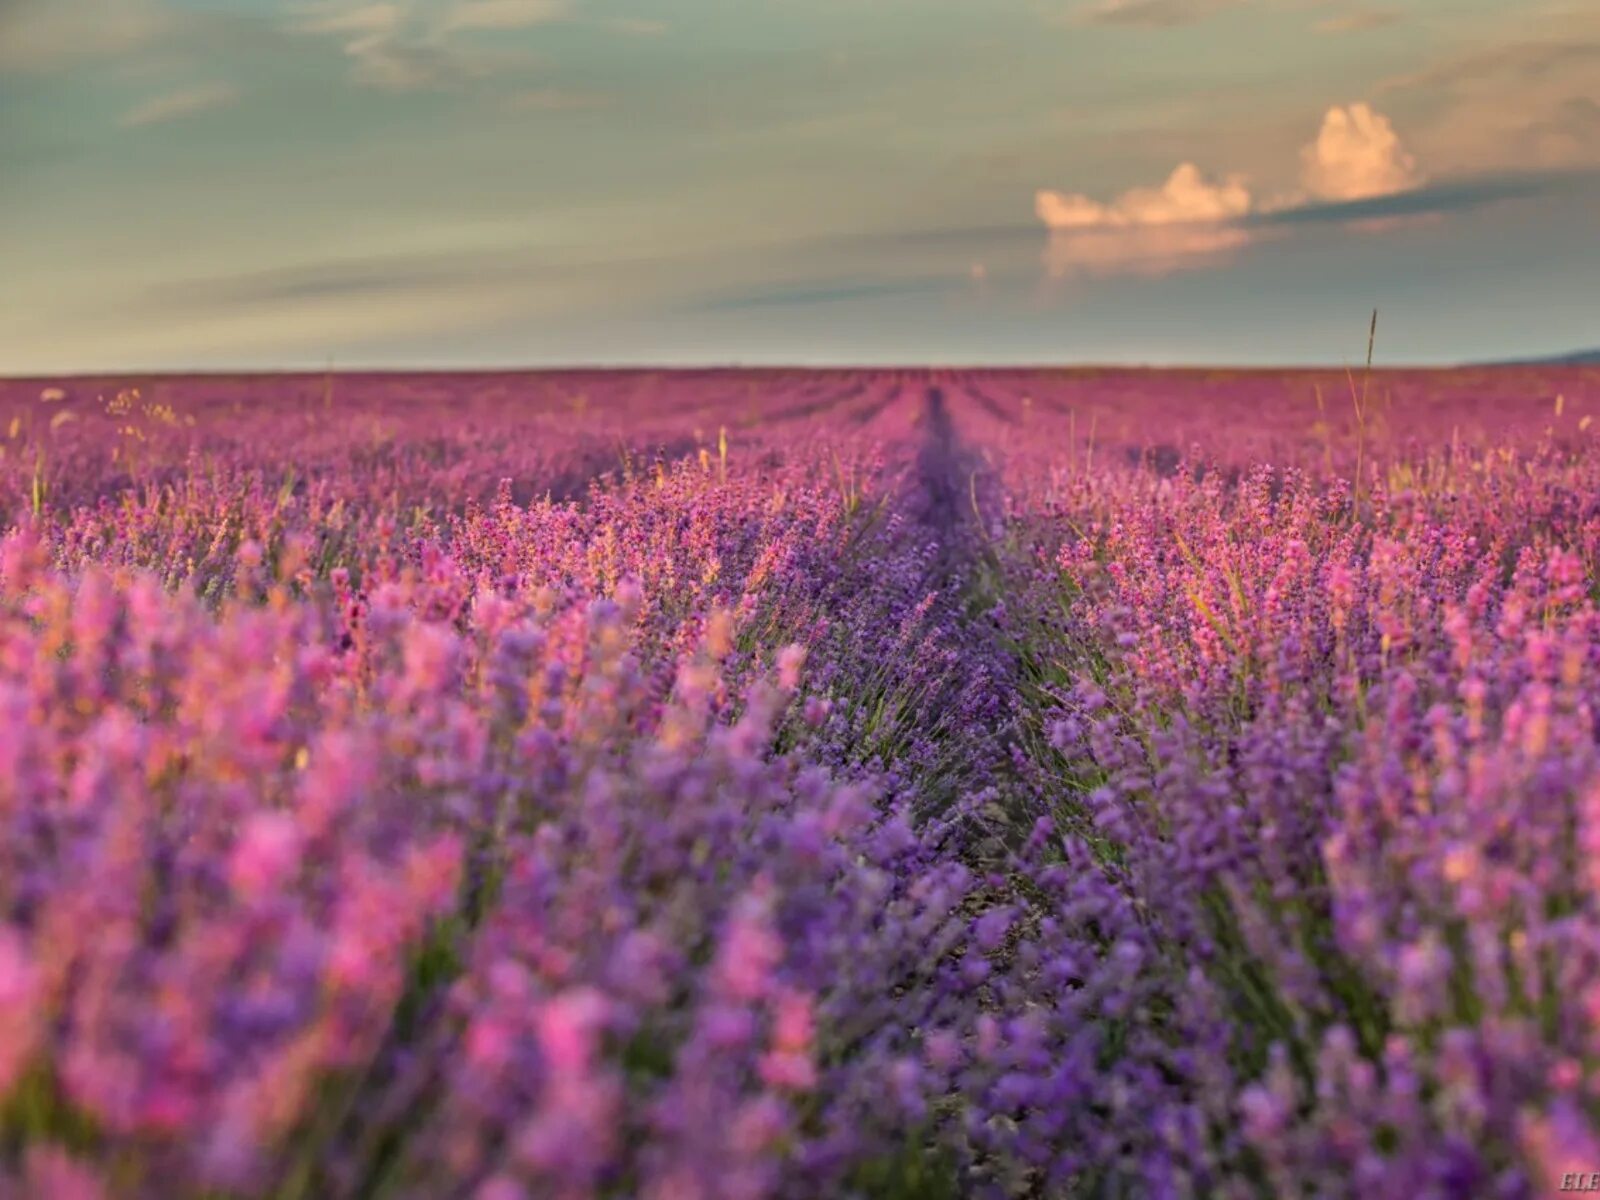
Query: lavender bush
point(775, 785)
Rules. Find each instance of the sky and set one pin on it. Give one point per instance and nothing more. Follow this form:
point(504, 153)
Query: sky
point(278, 184)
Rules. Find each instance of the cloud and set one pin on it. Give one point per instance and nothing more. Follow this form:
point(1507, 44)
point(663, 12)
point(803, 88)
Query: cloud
point(307, 330)
point(1153, 14)
point(508, 264)
point(1357, 20)
point(1189, 222)
point(1184, 197)
point(1520, 61)
point(384, 49)
point(638, 26)
point(363, 279)
point(1171, 14)
point(558, 100)
point(366, 20)
point(175, 105)
point(45, 35)
point(1147, 250)
point(1429, 200)
point(1183, 224)
point(1574, 122)
point(503, 14)
point(401, 46)
point(1357, 154)
point(1519, 104)
point(832, 292)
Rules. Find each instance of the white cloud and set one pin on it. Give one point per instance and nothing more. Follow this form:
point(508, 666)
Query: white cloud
point(1357, 155)
point(180, 104)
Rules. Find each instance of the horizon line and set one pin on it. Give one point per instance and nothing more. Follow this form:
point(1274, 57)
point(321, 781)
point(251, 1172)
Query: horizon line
point(1576, 360)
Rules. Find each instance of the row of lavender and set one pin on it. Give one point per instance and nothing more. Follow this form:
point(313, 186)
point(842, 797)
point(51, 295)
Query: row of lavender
point(1333, 744)
point(362, 837)
point(791, 812)
point(434, 441)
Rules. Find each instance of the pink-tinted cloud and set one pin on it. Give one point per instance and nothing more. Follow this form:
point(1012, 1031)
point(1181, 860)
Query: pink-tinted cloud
point(1357, 155)
point(978, 272)
point(1186, 196)
point(1189, 222)
point(1148, 250)
point(1184, 223)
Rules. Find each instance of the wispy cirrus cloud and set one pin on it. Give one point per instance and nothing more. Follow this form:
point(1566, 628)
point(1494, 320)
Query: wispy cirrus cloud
point(407, 45)
point(1152, 14)
point(503, 14)
point(175, 105)
point(1190, 222)
point(1430, 200)
point(558, 100)
point(1526, 102)
point(830, 292)
point(46, 35)
point(356, 21)
point(1356, 20)
point(1338, 16)
point(638, 26)
point(357, 278)
point(386, 47)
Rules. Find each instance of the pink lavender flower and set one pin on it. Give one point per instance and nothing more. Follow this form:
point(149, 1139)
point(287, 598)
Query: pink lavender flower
point(20, 1008)
point(265, 856)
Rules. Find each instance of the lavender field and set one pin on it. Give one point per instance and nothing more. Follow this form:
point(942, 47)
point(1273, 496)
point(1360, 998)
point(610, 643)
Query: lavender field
point(723, 785)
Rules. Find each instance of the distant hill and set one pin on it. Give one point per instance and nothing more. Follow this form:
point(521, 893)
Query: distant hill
point(1579, 358)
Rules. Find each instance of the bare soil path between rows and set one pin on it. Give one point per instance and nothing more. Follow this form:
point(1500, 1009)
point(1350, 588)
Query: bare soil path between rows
point(951, 503)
